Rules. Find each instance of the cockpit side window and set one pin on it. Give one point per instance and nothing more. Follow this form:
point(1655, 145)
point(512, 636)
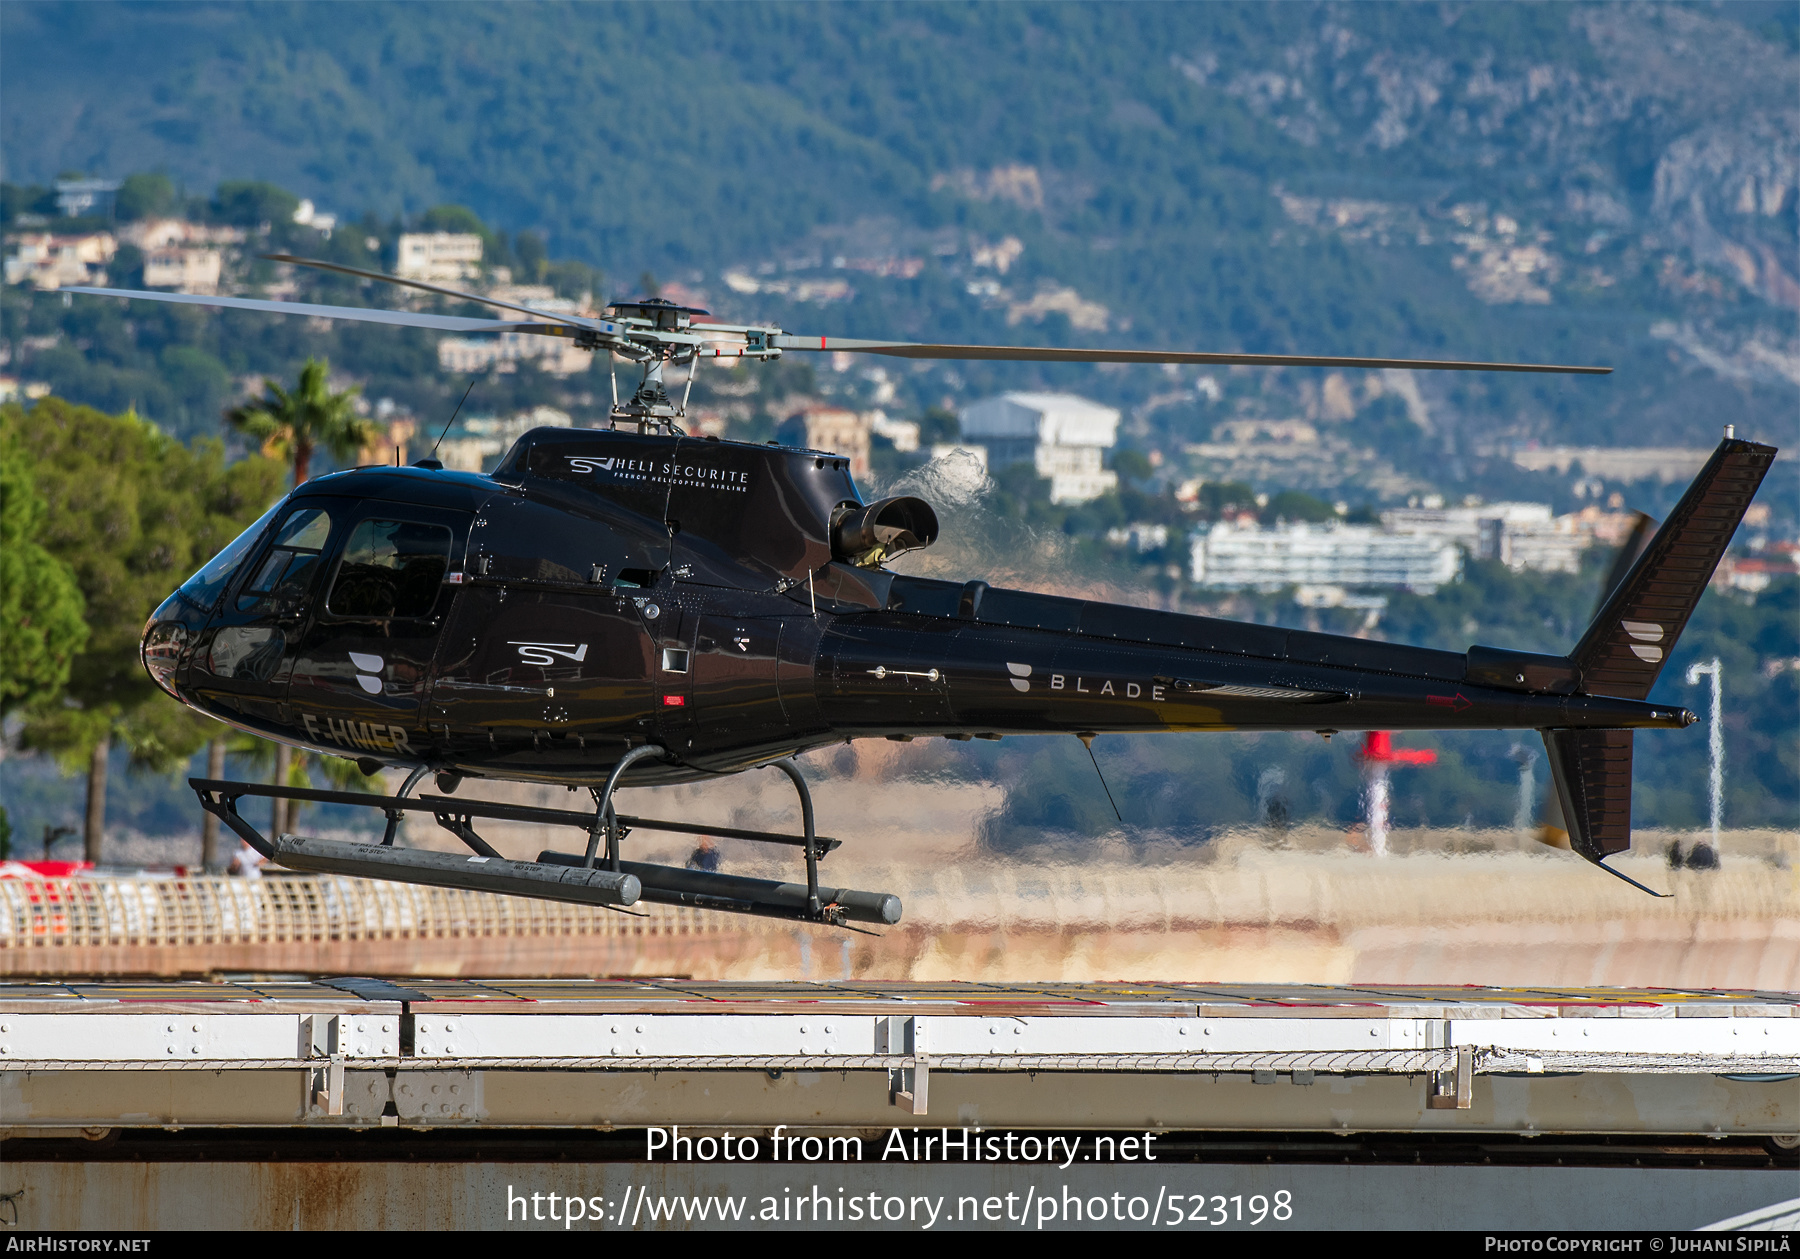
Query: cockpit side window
point(391, 568)
point(288, 569)
point(203, 587)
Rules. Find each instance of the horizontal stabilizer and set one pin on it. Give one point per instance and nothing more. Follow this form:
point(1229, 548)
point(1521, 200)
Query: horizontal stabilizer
point(1632, 635)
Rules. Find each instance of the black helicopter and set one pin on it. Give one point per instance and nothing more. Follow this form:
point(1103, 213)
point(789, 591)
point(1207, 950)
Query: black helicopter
point(632, 605)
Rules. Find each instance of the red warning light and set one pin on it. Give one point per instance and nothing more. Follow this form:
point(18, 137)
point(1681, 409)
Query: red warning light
point(674, 701)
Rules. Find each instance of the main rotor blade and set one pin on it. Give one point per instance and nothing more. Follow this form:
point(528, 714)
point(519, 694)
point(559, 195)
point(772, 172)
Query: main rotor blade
point(1032, 354)
point(405, 318)
point(422, 286)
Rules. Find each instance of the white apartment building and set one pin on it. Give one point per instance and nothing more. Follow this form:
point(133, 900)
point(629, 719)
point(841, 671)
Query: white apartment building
point(1475, 529)
point(1520, 535)
point(438, 257)
point(1065, 437)
point(1232, 557)
point(504, 351)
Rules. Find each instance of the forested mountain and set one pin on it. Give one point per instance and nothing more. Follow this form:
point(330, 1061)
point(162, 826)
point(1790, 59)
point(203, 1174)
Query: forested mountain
point(1577, 183)
point(1610, 183)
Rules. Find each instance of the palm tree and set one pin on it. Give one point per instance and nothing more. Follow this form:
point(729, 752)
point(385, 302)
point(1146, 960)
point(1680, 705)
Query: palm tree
point(292, 425)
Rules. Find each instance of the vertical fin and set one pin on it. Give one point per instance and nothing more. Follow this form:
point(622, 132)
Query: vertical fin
point(1625, 648)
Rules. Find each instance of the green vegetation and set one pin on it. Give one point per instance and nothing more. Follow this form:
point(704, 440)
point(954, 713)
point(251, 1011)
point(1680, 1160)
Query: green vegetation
point(1145, 155)
point(41, 608)
point(130, 513)
point(1156, 160)
point(290, 425)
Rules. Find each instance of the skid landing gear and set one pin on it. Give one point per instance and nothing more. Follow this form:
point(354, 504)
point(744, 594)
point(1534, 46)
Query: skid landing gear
point(578, 877)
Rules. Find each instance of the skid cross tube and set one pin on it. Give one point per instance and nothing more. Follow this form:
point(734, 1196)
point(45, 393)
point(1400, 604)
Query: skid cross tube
point(219, 797)
point(658, 884)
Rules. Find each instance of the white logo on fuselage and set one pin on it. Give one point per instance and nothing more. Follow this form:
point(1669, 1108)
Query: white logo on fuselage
point(585, 464)
point(546, 653)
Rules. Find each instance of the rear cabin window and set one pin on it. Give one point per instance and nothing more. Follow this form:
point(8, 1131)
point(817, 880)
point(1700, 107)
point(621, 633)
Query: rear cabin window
point(287, 571)
point(391, 568)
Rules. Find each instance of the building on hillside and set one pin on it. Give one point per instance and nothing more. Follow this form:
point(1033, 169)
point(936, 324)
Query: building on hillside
point(79, 197)
point(181, 267)
point(1232, 557)
point(904, 434)
point(1520, 535)
point(1465, 526)
point(1755, 573)
point(393, 442)
point(1139, 536)
point(149, 234)
point(477, 443)
point(306, 214)
point(504, 351)
point(1545, 546)
point(438, 257)
point(1063, 436)
point(12, 389)
point(45, 260)
point(1623, 463)
point(841, 431)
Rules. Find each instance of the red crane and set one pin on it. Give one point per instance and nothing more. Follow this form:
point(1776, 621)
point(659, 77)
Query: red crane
point(1379, 755)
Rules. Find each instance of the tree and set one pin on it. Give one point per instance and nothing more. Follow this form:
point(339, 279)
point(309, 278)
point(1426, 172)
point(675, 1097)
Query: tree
point(251, 203)
point(292, 425)
point(146, 196)
point(41, 625)
point(1132, 465)
point(132, 513)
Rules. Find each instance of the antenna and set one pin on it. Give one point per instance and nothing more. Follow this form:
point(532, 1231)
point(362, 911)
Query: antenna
point(451, 420)
point(1087, 741)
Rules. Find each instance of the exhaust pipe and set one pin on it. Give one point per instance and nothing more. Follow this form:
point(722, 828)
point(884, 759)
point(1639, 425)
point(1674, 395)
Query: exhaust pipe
point(882, 530)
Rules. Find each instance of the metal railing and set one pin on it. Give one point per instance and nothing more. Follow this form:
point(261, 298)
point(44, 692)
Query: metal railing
point(71, 913)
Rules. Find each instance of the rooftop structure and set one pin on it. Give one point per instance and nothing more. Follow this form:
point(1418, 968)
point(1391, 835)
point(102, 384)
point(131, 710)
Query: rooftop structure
point(1064, 436)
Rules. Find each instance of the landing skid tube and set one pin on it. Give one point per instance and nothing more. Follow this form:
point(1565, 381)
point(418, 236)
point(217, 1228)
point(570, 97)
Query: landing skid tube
point(555, 876)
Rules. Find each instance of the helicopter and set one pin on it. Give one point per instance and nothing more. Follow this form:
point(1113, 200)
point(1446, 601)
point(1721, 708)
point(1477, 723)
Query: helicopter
point(632, 605)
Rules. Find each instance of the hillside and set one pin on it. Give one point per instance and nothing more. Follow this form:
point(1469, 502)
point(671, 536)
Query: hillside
point(1565, 183)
